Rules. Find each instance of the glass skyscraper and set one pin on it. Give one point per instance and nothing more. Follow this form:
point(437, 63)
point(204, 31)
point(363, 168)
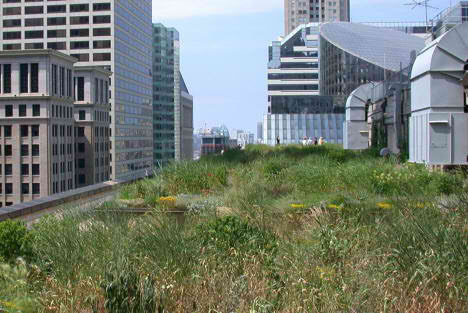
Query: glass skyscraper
point(165, 92)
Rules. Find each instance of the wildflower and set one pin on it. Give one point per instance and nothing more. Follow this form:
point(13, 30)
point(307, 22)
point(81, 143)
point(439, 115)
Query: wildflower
point(384, 205)
point(334, 206)
point(167, 201)
point(297, 206)
point(210, 175)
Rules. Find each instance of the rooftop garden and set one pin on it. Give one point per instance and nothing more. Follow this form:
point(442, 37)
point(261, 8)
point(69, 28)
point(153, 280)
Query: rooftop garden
point(267, 229)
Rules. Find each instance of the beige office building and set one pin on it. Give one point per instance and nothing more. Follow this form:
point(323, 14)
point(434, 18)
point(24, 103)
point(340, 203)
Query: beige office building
point(297, 12)
point(91, 113)
point(36, 124)
point(115, 34)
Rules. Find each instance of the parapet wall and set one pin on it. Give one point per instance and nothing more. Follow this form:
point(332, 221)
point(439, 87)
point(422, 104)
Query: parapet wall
point(45, 203)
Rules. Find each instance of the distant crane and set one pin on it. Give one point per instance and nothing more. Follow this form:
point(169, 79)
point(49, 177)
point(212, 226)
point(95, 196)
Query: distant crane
point(420, 3)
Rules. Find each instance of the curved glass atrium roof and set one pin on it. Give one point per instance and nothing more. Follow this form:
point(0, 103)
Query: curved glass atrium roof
point(383, 47)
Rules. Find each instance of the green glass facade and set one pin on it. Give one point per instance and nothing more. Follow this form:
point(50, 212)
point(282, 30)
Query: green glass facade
point(165, 77)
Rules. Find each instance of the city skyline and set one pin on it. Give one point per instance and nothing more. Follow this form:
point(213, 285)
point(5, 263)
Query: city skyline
point(222, 98)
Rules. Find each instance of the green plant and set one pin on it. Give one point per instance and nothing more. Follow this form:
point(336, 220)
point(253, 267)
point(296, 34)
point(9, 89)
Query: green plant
point(127, 292)
point(15, 241)
point(231, 232)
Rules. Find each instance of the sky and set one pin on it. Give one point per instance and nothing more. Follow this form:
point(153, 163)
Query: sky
point(224, 50)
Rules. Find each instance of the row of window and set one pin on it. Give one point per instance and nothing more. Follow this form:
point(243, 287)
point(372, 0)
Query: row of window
point(61, 33)
point(24, 131)
point(52, 9)
point(73, 7)
point(36, 189)
point(55, 185)
point(35, 169)
point(22, 110)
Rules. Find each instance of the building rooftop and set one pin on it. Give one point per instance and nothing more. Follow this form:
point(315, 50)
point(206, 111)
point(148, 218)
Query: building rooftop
point(380, 46)
point(37, 52)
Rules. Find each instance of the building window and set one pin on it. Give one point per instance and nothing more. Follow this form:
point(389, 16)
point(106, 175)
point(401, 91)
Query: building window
point(81, 163)
point(56, 9)
point(79, 45)
point(101, 7)
point(24, 130)
point(54, 77)
point(82, 32)
point(82, 115)
point(78, 20)
point(34, 77)
point(103, 19)
point(55, 21)
point(82, 57)
point(24, 169)
point(101, 32)
point(11, 35)
point(101, 44)
point(35, 150)
point(79, 7)
point(36, 189)
point(8, 169)
point(81, 132)
point(35, 130)
point(62, 81)
point(34, 10)
point(33, 45)
point(22, 110)
point(25, 188)
point(81, 147)
point(36, 109)
point(81, 179)
point(12, 23)
point(56, 33)
point(101, 57)
point(36, 170)
point(8, 110)
point(34, 34)
point(12, 11)
point(31, 22)
point(7, 78)
point(8, 188)
point(24, 150)
point(7, 131)
point(96, 90)
point(80, 88)
point(8, 150)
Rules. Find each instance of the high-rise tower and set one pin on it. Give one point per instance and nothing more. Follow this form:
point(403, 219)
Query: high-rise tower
point(114, 34)
point(297, 12)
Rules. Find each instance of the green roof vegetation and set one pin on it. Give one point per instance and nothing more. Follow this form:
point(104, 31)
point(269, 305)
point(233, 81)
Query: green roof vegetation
point(266, 229)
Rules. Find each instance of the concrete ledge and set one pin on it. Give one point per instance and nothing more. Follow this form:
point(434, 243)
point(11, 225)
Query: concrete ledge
point(26, 208)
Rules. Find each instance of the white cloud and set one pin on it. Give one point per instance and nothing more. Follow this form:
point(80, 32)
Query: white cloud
point(173, 9)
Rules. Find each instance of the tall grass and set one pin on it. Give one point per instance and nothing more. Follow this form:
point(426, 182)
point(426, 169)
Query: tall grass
point(283, 229)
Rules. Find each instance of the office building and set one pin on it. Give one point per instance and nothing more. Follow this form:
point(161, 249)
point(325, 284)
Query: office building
point(37, 125)
point(352, 55)
point(297, 12)
point(91, 113)
point(112, 34)
point(165, 75)
point(294, 74)
point(215, 140)
point(184, 125)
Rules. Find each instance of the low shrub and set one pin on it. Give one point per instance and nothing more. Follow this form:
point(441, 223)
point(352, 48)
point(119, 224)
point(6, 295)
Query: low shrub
point(15, 241)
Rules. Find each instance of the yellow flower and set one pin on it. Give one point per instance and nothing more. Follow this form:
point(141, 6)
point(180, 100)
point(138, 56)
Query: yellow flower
point(384, 205)
point(297, 206)
point(334, 206)
point(167, 201)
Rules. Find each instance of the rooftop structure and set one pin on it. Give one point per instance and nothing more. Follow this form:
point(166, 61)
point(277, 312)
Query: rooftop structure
point(355, 54)
point(449, 18)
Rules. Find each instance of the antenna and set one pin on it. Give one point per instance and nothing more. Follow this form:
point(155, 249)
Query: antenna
point(420, 3)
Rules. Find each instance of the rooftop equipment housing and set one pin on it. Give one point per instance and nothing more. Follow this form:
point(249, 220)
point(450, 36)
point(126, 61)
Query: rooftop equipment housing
point(439, 122)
